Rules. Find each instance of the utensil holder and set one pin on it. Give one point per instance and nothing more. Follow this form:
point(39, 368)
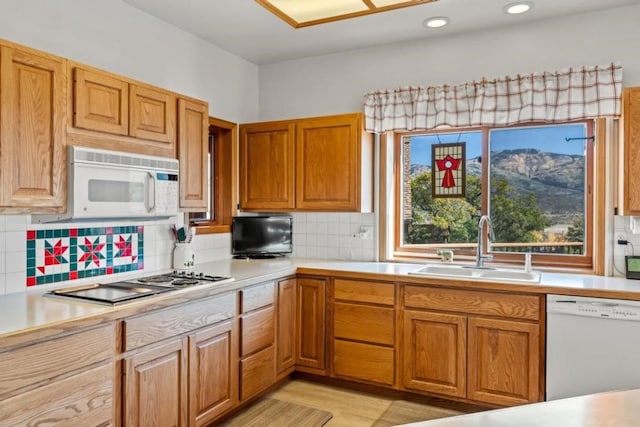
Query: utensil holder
point(183, 256)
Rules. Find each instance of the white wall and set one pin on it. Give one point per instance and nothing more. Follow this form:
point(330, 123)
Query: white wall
point(116, 37)
point(337, 83)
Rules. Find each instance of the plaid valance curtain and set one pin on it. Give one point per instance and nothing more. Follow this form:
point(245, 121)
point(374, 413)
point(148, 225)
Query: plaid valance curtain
point(573, 94)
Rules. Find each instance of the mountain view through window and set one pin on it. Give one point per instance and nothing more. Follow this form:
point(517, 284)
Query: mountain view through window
point(534, 182)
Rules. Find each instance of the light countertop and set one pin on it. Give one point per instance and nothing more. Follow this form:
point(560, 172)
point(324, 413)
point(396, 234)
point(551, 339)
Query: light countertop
point(30, 310)
point(617, 408)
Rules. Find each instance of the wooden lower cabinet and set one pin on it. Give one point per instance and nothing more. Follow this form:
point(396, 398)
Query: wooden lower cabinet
point(435, 352)
point(286, 325)
point(480, 358)
point(503, 361)
point(257, 339)
point(364, 362)
point(310, 324)
point(155, 386)
point(257, 372)
point(213, 379)
point(84, 399)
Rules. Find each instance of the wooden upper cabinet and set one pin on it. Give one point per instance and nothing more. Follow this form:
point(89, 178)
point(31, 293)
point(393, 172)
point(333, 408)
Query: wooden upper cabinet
point(152, 114)
point(112, 112)
point(32, 138)
point(101, 102)
point(631, 133)
point(193, 134)
point(267, 170)
point(328, 163)
point(313, 164)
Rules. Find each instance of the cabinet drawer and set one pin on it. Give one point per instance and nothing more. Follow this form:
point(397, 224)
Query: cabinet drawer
point(41, 362)
point(257, 372)
point(363, 361)
point(473, 302)
point(364, 323)
point(80, 400)
point(158, 325)
point(257, 330)
point(256, 296)
point(361, 291)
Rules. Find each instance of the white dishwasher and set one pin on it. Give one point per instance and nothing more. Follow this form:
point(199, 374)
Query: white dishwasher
point(593, 345)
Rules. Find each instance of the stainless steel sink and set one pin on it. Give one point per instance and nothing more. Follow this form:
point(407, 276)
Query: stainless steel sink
point(486, 274)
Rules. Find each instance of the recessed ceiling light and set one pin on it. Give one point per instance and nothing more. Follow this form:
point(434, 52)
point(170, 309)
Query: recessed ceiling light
point(518, 8)
point(436, 22)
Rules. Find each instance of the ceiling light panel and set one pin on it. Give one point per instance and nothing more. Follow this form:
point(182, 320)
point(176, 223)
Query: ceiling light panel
point(312, 12)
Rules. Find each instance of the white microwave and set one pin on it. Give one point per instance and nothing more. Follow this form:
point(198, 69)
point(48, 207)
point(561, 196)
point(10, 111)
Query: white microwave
point(109, 184)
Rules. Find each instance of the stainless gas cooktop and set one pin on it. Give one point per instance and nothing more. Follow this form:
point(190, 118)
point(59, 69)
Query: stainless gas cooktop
point(133, 289)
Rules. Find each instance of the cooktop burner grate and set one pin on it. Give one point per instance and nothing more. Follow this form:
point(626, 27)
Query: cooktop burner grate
point(156, 279)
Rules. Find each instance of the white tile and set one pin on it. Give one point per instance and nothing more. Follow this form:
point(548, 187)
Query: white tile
point(321, 252)
point(344, 253)
point(2, 263)
point(345, 229)
point(16, 222)
point(333, 218)
point(2, 223)
point(16, 262)
point(300, 228)
point(345, 241)
point(15, 282)
point(355, 218)
point(312, 251)
point(321, 217)
point(299, 239)
point(333, 241)
point(15, 241)
point(3, 284)
point(322, 228)
point(299, 217)
point(312, 240)
point(3, 239)
point(300, 252)
point(321, 240)
point(311, 227)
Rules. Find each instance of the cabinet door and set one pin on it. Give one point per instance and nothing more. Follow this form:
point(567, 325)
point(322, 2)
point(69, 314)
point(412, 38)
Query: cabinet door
point(631, 131)
point(503, 362)
point(193, 137)
point(434, 352)
point(286, 325)
point(155, 386)
point(328, 163)
point(33, 118)
point(267, 166)
point(83, 399)
point(100, 102)
point(310, 320)
point(152, 115)
point(213, 372)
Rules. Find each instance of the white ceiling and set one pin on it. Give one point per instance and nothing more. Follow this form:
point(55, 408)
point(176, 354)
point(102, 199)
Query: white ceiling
point(248, 30)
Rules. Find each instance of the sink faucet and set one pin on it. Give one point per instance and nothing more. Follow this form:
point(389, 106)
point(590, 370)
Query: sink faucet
point(480, 256)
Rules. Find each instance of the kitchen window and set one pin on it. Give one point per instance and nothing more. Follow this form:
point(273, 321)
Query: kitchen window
point(534, 181)
point(217, 218)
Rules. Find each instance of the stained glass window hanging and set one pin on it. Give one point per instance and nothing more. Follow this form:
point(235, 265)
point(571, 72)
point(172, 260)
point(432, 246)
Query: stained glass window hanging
point(448, 170)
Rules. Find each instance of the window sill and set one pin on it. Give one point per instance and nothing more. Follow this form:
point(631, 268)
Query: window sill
point(211, 229)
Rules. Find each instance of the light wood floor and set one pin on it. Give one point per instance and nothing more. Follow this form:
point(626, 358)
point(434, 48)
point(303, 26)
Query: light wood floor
point(350, 408)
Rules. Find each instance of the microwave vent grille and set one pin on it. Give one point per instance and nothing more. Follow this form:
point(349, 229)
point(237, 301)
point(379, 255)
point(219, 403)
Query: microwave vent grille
point(120, 159)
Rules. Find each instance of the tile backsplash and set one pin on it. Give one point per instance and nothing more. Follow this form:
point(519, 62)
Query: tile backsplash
point(77, 252)
point(51, 255)
point(334, 236)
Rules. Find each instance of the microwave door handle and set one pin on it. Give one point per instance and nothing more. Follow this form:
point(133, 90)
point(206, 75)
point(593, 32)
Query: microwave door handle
point(152, 188)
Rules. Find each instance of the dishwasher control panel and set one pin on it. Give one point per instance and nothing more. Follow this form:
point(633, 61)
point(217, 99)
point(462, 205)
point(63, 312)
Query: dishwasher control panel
point(593, 307)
